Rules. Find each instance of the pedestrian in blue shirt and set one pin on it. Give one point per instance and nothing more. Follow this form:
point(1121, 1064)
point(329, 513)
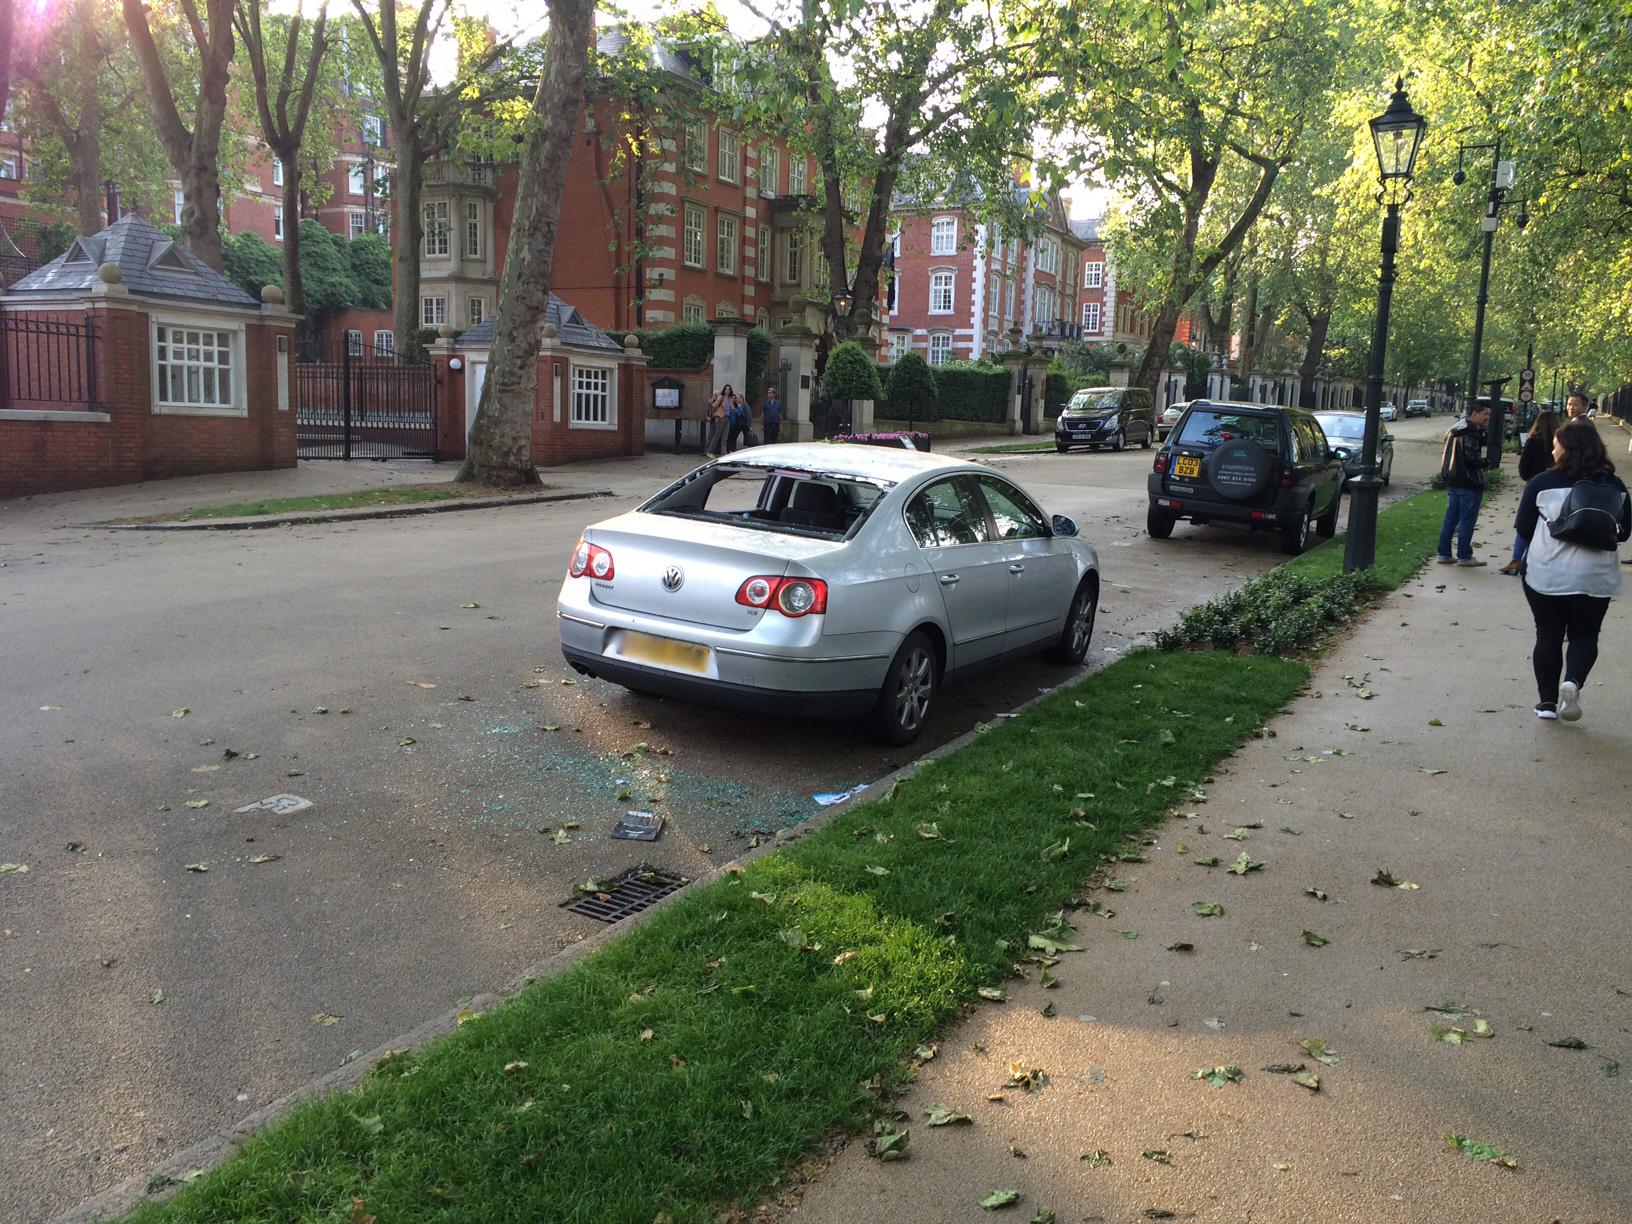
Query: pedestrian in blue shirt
point(772, 414)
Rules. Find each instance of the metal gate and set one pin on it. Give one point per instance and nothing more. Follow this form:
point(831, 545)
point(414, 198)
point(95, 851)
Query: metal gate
point(358, 404)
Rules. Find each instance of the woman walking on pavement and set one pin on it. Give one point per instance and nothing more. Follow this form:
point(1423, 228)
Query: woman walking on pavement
point(1535, 459)
point(1568, 585)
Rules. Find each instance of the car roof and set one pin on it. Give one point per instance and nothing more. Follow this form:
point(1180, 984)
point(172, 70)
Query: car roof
point(885, 463)
point(1350, 412)
point(1239, 406)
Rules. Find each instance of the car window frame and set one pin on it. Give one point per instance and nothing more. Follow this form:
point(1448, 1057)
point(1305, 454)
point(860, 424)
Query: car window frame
point(970, 495)
point(1020, 498)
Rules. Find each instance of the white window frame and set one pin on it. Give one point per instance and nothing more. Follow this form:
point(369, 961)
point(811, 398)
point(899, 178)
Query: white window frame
point(694, 232)
point(793, 258)
point(179, 200)
point(1093, 316)
point(692, 310)
point(1008, 298)
point(9, 168)
point(356, 224)
point(900, 344)
point(385, 344)
point(1093, 274)
point(372, 129)
point(354, 341)
point(943, 236)
point(1048, 256)
point(770, 170)
point(798, 175)
point(943, 281)
point(434, 224)
point(236, 404)
point(696, 142)
point(473, 229)
point(762, 254)
point(436, 316)
point(728, 155)
point(277, 172)
point(277, 223)
point(356, 179)
point(940, 353)
point(609, 393)
point(475, 310)
point(723, 221)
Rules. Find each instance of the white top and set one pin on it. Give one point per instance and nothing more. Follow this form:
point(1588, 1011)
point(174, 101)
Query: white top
point(1554, 567)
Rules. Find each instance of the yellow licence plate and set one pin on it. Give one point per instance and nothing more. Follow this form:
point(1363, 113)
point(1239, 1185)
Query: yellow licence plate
point(665, 652)
point(1186, 467)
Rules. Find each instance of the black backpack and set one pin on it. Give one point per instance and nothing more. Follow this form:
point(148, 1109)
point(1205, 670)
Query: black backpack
point(1591, 515)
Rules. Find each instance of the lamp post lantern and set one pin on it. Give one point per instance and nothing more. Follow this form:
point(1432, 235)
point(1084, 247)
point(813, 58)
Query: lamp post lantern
point(842, 301)
point(1396, 135)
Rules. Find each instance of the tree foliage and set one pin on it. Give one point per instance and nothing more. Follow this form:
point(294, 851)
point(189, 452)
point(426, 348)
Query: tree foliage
point(851, 374)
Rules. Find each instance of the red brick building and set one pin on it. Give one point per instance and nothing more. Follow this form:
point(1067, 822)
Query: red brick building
point(962, 289)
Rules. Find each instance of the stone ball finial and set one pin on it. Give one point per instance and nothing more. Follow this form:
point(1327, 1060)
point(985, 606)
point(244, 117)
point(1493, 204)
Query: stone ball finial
point(631, 341)
point(549, 332)
point(445, 331)
point(110, 274)
point(272, 295)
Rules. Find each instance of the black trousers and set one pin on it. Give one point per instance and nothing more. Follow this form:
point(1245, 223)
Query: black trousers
point(1576, 618)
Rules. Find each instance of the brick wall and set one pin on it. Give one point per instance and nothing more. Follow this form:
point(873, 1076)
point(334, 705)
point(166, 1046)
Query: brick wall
point(128, 441)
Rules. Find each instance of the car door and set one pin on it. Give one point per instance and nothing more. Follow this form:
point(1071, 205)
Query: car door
point(1042, 571)
point(948, 520)
point(1325, 473)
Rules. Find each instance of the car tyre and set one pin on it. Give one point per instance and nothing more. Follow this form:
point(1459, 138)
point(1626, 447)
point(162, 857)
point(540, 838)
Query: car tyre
point(908, 694)
point(1326, 524)
point(1120, 441)
point(1078, 630)
point(1295, 535)
point(1159, 523)
point(1149, 433)
point(1388, 472)
point(1061, 449)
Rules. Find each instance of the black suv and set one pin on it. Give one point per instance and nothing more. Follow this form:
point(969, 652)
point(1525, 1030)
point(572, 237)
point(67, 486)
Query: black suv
point(1265, 466)
point(1106, 416)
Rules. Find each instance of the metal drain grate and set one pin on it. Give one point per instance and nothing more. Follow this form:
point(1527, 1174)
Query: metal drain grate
point(633, 891)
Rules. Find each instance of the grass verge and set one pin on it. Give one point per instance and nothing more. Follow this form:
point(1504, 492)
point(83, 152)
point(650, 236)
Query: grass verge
point(696, 1059)
point(360, 499)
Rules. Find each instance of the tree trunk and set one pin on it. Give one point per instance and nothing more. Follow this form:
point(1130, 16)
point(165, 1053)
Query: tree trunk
point(294, 290)
point(501, 440)
point(1156, 349)
point(1319, 324)
point(407, 233)
point(84, 151)
point(7, 50)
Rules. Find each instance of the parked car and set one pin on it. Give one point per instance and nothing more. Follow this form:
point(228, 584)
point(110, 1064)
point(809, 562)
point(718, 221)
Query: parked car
point(826, 580)
point(1388, 412)
point(1169, 418)
point(1418, 408)
point(1106, 416)
point(1348, 430)
point(1268, 467)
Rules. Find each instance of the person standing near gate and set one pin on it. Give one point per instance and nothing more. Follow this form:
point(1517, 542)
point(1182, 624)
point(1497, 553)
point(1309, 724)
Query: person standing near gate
point(772, 416)
point(1462, 463)
point(719, 410)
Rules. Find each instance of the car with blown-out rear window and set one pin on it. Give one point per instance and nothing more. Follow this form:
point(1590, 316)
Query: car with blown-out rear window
point(826, 580)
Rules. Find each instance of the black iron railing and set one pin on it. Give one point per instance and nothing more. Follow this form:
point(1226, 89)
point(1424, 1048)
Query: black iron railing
point(365, 405)
point(47, 362)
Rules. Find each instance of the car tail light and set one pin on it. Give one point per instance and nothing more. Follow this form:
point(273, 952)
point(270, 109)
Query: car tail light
point(1161, 461)
point(793, 597)
point(1287, 478)
point(591, 561)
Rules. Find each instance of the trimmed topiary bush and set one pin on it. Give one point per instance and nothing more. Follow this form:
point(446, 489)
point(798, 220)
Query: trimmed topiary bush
point(685, 346)
point(912, 390)
point(851, 374)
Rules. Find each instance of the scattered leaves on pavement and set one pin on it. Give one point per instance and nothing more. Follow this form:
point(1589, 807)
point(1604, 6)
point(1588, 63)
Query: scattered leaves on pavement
point(326, 1019)
point(196, 868)
point(1218, 1076)
point(1285, 1068)
point(264, 858)
point(887, 1143)
point(1211, 861)
point(940, 1115)
point(181, 713)
point(1386, 879)
point(1418, 953)
point(994, 993)
point(1448, 1034)
point(156, 997)
point(13, 868)
point(1099, 1158)
point(1159, 1155)
point(1207, 909)
point(1243, 864)
point(1316, 893)
point(1032, 1079)
point(1307, 1079)
point(998, 1199)
point(1474, 1150)
point(1569, 1043)
point(1318, 1050)
point(1181, 946)
point(198, 803)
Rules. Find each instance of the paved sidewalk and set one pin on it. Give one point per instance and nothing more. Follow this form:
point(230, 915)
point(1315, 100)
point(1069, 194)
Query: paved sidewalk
point(1519, 836)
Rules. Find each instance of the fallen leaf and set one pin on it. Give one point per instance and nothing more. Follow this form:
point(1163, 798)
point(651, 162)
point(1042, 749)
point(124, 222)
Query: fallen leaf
point(926, 1052)
point(510, 1068)
point(181, 713)
point(326, 1019)
point(1481, 1028)
point(1314, 940)
point(1044, 1217)
point(1434, 722)
point(998, 1199)
point(1569, 1043)
point(1431, 771)
point(196, 868)
point(1285, 1068)
point(1243, 864)
point(13, 868)
point(1447, 1034)
point(156, 997)
point(889, 1144)
point(1318, 1050)
point(264, 858)
point(372, 1125)
point(1208, 862)
point(1032, 1079)
point(993, 993)
point(930, 830)
point(1474, 1150)
point(198, 803)
point(424, 684)
point(1316, 893)
point(1418, 953)
point(470, 605)
point(1159, 1155)
point(1099, 1158)
point(1057, 851)
point(1207, 909)
point(940, 1115)
point(1218, 1076)
point(1181, 946)
point(1307, 1079)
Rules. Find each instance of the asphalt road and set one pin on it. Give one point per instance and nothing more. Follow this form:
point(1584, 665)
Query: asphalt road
point(157, 981)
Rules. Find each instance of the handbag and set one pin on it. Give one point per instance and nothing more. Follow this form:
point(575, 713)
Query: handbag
point(1591, 515)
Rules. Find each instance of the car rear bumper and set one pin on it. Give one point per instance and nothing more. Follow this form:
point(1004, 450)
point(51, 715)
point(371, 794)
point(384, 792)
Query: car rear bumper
point(829, 703)
point(1285, 507)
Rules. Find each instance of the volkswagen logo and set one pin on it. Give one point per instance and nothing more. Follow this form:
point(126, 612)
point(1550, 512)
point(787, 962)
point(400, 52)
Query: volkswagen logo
point(674, 578)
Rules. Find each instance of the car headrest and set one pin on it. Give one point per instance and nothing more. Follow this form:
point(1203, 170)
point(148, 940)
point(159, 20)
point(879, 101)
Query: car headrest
point(814, 498)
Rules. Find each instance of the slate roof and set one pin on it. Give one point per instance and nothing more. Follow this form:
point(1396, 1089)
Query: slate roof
point(612, 41)
point(1087, 229)
point(571, 329)
point(153, 267)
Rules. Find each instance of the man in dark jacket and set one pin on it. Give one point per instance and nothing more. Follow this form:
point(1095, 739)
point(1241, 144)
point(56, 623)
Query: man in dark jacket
point(1462, 463)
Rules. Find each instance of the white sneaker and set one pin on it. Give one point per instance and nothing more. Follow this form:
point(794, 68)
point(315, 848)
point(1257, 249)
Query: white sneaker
point(1547, 710)
point(1569, 701)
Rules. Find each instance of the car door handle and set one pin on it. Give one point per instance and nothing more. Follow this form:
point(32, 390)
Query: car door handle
point(1017, 568)
point(949, 580)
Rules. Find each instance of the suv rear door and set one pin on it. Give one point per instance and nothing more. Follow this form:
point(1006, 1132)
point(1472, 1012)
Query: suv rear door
point(1202, 430)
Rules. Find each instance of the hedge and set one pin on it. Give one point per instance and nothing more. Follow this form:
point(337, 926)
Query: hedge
point(685, 346)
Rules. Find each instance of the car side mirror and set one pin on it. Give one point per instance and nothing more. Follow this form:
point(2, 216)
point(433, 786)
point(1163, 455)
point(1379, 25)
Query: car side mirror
point(1062, 526)
point(1342, 454)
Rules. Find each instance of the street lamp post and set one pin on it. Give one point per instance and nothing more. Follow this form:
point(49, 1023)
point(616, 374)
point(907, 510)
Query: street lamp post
point(1501, 181)
point(1396, 134)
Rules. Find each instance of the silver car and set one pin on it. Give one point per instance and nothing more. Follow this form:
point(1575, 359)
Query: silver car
point(1169, 418)
point(826, 580)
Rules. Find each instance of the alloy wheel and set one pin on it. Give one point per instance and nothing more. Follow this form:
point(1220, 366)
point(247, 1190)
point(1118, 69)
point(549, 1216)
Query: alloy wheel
point(1082, 623)
point(914, 690)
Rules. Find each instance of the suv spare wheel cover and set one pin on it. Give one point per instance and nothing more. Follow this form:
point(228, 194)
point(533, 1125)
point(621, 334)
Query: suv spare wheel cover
point(1240, 469)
